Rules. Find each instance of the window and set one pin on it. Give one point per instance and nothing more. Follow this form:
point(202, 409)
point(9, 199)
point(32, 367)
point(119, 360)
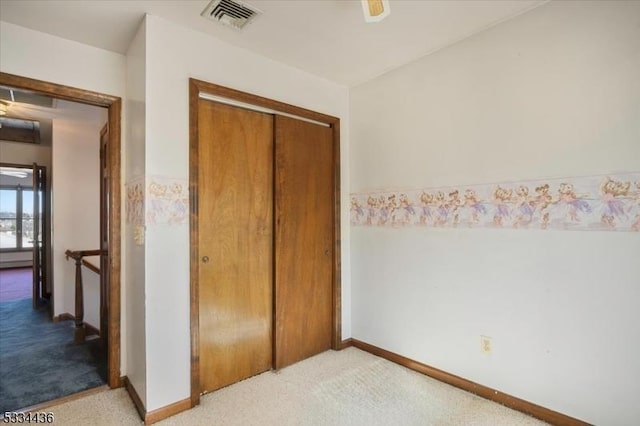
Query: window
point(16, 218)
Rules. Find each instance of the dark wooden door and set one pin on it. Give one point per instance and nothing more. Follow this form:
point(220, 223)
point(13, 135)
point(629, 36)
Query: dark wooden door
point(104, 235)
point(39, 243)
point(235, 243)
point(304, 232)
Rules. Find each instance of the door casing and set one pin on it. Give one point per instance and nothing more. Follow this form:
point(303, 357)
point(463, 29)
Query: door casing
point(196, 87)
point(114, 107)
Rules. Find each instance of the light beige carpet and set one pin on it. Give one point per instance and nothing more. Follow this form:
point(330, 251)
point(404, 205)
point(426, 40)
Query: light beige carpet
point(349, 387)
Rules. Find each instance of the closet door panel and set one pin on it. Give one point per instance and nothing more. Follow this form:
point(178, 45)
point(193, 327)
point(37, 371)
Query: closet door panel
point(235, 219)
point(303, 239)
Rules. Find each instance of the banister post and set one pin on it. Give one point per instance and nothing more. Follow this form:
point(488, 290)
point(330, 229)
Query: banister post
point(80, 331)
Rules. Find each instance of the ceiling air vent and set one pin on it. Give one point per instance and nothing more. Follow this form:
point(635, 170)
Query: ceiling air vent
point(232, 13)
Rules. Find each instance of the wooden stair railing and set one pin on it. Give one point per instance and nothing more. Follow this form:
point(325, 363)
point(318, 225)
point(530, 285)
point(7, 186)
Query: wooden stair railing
point(90, 266)
point(80, 333)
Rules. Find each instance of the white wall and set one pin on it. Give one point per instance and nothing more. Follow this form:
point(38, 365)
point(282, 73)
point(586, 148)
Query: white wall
point(24, 153)
point(16, 259)
point(134, 253)
point(41, 56)
point(173, 55)
point(554, 92)
point(91, 292)
point(76, 201)
point(45, 57)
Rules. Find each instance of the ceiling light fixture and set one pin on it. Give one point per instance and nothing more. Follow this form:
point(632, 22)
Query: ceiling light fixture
point(375, 10)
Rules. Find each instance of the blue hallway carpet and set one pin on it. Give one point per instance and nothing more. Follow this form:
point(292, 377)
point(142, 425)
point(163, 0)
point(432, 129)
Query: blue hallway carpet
point(39, 360)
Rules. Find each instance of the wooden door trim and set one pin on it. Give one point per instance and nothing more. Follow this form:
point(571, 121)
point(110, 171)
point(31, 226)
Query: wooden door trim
point(195, 88)
point(114, 106)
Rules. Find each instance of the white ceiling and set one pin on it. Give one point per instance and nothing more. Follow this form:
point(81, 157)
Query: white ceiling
point(328, 38)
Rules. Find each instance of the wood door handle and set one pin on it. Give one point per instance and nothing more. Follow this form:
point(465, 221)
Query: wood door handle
point(205, 259)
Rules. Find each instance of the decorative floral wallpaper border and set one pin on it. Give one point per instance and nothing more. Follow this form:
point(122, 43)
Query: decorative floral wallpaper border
point(168, 201)
point(134, 208)
point(610, 203)
point(157, 200)
point(134, 204)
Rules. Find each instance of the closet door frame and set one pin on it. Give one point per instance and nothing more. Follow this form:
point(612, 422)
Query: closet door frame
point(196, 88)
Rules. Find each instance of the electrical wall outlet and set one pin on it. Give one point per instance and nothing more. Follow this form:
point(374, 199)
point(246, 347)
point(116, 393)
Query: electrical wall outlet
point(485, 345)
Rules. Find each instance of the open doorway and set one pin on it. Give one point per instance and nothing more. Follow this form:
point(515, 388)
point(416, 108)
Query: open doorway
point(24, 228)
point(106, 264)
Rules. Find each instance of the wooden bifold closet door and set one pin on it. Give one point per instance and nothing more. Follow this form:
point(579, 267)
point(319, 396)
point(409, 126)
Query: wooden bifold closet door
point(304, 240)
point(235, 217)
point(265, 241)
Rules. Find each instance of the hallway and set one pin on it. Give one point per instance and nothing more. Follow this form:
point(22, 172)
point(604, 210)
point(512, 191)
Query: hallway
point(15, 284)
point(38, 359)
